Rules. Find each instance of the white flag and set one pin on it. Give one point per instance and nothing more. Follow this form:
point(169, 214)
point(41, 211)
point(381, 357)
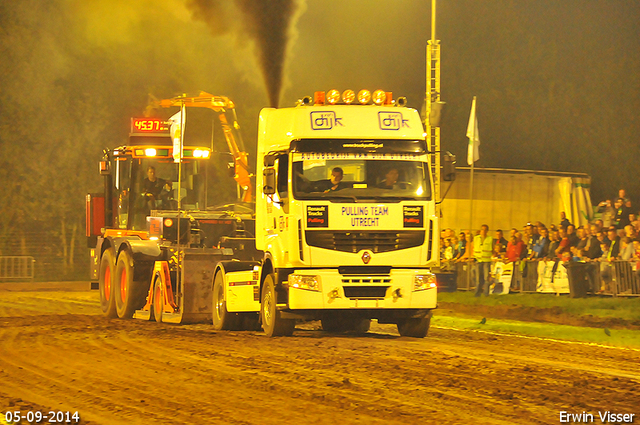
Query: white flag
point(176, 132)
point(473, 154)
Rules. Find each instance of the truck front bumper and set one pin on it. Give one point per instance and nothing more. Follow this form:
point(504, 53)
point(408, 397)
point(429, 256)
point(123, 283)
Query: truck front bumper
point(327, 289)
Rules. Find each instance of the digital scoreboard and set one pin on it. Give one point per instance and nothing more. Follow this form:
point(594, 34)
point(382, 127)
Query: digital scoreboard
point(149, 126)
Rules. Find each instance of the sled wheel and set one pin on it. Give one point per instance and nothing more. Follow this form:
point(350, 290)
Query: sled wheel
point(129, 294)
point(105, 283)
point(157, 303)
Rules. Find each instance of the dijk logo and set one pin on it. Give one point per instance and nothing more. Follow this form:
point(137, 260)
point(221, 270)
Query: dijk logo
point(325, 120)
point(392, 121)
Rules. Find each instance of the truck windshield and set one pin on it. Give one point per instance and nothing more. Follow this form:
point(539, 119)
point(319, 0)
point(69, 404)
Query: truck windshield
point(360, 176)
point(154, 186)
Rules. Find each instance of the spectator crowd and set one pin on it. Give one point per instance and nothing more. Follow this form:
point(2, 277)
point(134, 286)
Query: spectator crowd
point(612, 237)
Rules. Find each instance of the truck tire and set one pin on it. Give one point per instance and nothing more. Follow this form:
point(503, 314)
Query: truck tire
point(157, 302)
point(272, 321)
point(106, 283)
point(130, 294)
point(221, 318)
point(415, 328)
point(361, 326)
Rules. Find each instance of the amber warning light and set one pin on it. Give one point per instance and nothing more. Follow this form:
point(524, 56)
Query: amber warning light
point(149, 125)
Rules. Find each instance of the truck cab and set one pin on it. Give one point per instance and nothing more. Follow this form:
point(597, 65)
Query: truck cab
point(345, 214)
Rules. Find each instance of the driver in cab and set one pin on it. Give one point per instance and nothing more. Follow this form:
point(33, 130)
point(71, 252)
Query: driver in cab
point(334, 183)
point(154, 189)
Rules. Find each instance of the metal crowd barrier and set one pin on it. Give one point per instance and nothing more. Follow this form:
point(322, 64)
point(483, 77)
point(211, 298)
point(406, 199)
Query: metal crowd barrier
point(624, 281)
point(621, 279)
point(16, 268)
point(465, 275)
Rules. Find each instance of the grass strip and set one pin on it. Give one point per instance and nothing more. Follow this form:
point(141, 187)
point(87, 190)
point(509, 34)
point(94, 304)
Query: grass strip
point(627, 308)
point(619, 338)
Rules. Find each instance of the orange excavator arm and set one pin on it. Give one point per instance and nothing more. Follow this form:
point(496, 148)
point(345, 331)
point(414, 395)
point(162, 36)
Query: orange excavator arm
point(221, 104)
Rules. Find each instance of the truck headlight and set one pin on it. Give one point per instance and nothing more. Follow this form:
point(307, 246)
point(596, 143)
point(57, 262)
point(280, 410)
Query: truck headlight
point(311, 283)
point(424, 281)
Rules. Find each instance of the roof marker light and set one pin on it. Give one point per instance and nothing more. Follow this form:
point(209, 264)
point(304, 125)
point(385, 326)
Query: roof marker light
point(333, 96)
point(364, 96)
point(348, 96)
point(318, 98)
point(379, 96)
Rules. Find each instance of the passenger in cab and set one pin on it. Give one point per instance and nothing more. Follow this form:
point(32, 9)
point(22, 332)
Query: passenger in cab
point(391, 178)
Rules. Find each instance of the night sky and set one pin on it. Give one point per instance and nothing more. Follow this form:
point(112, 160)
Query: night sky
point(557, 82)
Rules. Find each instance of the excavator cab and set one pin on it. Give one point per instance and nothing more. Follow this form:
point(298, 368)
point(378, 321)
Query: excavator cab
point(146, 180)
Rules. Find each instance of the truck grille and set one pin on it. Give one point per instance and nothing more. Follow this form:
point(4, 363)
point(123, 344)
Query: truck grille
point(365, 292)
point(357, 241)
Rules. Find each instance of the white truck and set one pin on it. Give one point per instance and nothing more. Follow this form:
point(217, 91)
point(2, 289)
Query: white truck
point(344, 217)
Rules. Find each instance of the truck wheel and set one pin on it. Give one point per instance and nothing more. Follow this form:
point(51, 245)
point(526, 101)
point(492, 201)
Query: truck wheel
point(415, 328)
point(272, 322)
point(361, 326)
point(105, 283)
point(221, 318)
point(130, 294)
point(157, 303)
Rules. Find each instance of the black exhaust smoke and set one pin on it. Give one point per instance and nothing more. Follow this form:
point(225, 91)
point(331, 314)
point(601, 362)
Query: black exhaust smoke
point(267, 22)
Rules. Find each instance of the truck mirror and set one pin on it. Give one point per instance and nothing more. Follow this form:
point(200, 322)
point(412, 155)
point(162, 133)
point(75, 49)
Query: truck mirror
point(231, 169)
point(435, 116)
point(269, 160)
point(448, 167)
point(269, 187)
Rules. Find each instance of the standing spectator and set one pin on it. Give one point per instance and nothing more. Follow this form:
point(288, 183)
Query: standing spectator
point(462, 243)
point(564, 246)
point(630, 231)
point(614, 247)
point(622, 194)
point(554, 242)
point(621, 218)
point(448, 249)
point(501, 241)
point(600, 224)
point(571, 234)
point(482, 248)
point(531, 238)
point(605, 267)
point(608, 213)
point(636, 257)
point(582, 238)
point(564, 222)
point(592, 252)
point(541, 247)
point(626, 249)
point(592, 248)
point(633, 220)
point(515, 248)
point(468, 248)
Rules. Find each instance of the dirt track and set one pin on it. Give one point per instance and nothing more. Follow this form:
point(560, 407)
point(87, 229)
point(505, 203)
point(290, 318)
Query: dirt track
point(59, 353)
